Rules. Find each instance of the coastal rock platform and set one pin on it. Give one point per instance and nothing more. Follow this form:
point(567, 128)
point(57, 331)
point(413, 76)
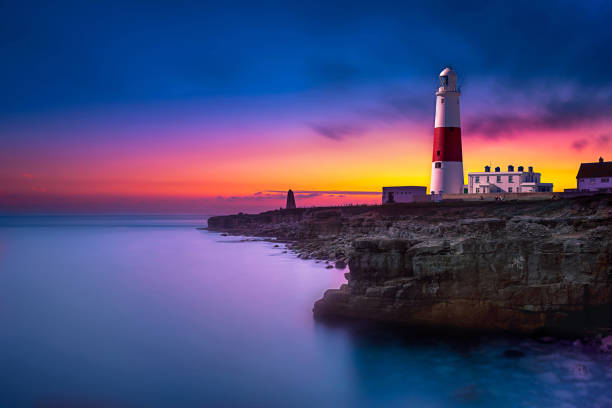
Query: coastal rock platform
point(502, 266)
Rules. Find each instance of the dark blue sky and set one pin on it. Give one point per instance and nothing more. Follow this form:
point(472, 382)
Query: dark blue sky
point(64, 55)
point(175, 98)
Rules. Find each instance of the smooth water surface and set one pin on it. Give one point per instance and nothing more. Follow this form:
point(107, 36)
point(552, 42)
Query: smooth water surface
point(122, 311)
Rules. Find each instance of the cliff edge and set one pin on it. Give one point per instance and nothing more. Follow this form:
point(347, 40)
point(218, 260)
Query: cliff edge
point(515, 266)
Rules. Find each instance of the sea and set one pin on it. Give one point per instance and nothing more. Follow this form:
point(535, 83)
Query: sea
point(148, 311)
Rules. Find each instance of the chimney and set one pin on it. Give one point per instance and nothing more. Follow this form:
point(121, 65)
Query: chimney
point(510, 167)
point(521, 168)
point(497, 169)
point(601, 159)
point(487, 169)
point(530, 169)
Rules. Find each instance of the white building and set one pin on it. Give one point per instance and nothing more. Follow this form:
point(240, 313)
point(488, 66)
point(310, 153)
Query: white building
point(510, 181)
point(595, 177)
point(408, 194)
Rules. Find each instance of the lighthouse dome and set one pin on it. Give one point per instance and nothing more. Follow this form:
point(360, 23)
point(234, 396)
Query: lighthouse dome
point(448, 79)
point(448, 71)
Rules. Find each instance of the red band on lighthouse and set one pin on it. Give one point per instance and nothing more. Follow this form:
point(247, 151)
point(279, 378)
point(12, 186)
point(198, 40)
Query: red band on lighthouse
point(447, 144)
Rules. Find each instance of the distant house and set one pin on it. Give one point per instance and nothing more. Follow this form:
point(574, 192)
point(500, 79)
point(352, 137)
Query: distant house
point(510, 181)
point(407, 194)
point(595, 177)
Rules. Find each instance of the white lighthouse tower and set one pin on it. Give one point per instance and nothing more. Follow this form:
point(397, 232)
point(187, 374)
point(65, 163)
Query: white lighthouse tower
point(447, 161)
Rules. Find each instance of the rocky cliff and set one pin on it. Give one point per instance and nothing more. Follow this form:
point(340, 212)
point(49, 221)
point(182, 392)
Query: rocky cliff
point(518, 266)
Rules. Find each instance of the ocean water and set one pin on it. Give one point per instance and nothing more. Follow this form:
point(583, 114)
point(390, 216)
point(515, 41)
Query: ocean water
point(142, 311)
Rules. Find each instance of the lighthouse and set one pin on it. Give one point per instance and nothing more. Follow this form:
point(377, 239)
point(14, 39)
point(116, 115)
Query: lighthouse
point(447, 161)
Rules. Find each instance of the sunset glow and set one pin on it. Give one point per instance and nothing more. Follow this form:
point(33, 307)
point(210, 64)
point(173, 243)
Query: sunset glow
point(171, 141)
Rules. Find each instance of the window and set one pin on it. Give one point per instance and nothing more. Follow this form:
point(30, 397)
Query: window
point(509, 179)
point(605, 180)
point(441, 100)
point(438, 153)
point(509, 189)
point(477, 190)
point(477, 179)
point(592, 181)
point(499, 179)
point(444, 80)
point(487, 179)
point(438, 165)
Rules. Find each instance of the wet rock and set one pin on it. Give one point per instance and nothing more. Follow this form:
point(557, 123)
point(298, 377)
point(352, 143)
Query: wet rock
point(340, 264)
point(329, 266)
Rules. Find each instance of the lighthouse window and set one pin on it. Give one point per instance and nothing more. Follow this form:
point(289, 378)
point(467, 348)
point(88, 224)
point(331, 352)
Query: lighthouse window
point(444, 80)
point(441, 100)
point(438, 153)
point(438, 165)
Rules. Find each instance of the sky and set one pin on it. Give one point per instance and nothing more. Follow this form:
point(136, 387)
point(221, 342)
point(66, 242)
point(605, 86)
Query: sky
point(212, 108)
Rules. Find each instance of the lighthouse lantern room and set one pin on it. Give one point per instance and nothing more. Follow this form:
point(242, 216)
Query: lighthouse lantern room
point(447, 161)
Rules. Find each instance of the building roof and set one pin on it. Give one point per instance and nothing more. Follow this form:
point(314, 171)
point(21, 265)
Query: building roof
point(598, 169)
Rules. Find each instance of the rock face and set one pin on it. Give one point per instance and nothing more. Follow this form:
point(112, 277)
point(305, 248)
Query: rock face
point(290, 200)
point(522, 266)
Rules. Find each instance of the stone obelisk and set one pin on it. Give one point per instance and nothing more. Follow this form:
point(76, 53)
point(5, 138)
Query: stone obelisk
point(290, 200)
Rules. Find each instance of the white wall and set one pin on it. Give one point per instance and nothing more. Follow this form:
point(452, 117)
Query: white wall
point(403, 194)
point(447, 110)
point(594, 184)
point(448, 178)
point(522, 182)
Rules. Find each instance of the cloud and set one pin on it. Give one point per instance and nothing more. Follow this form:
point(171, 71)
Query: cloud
point(27, 176)
point(320, 192)
point(399, 104)
point(579, 107)
point(338, 131)
point(579, 144)
point(258, 196)
point(308, 195)
point(599, 141)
